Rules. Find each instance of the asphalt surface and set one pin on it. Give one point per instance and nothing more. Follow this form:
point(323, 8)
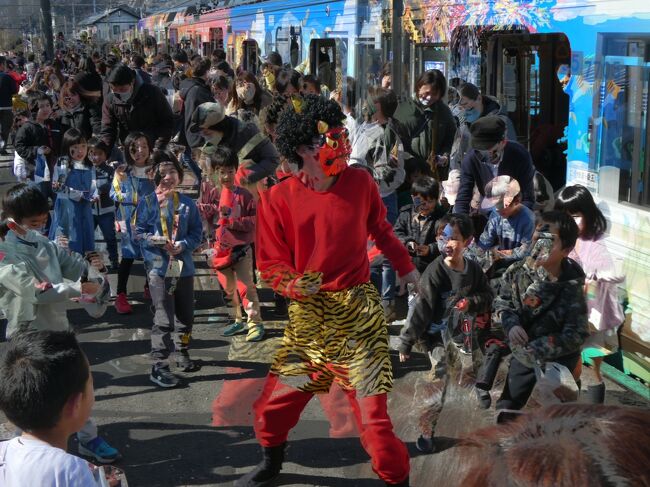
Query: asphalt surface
point(200, 433)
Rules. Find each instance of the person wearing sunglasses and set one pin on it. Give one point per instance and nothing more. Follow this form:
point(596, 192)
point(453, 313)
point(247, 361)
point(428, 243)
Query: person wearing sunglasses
point(492, 155)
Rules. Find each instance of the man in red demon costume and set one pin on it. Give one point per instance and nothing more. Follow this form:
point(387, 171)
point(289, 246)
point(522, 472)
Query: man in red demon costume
point(312, 232)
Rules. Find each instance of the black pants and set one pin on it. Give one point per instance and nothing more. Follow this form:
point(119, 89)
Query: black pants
point(173, 318)
point(521, 382)
point(6, 120)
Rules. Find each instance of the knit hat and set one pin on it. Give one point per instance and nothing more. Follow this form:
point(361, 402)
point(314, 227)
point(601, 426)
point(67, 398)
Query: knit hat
point(500, 192)
point(206, 116)
point(487, 131)
point(89, 85)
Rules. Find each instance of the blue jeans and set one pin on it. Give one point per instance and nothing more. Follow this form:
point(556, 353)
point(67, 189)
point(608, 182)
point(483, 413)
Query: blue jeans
point(194, 167)
point(106, 223)
point(388, 276)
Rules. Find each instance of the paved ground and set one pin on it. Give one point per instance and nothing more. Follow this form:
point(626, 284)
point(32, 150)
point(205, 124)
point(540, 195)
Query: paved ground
point(200, 434)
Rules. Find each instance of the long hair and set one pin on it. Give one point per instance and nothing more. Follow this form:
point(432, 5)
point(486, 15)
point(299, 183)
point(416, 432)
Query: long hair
point(562, 446)
point(246, 77)
point(578, 199)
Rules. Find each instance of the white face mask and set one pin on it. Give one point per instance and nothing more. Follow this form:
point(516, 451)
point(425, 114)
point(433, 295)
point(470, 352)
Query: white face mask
point(425, 100)
point(246, 93)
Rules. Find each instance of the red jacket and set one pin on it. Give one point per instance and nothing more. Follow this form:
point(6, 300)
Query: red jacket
point(300, 230)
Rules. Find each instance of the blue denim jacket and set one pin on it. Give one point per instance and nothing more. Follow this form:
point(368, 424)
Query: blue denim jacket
point(188, 234)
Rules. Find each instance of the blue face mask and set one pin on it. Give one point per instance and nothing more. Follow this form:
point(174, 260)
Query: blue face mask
point(471, 115)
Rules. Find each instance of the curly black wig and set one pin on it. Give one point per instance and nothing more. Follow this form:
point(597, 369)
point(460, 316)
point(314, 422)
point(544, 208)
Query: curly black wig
point(296, 129)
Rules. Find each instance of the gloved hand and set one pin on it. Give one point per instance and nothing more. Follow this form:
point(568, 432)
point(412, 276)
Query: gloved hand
point(306, 285)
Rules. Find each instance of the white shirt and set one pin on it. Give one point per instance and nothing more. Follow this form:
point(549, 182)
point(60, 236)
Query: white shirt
point(29, 462)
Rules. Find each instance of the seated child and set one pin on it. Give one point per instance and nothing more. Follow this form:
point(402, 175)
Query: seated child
point(542, 307)
point(510, 225)
point(37, 279)
point(415, 226)
point(47, 392)
point(450, 283)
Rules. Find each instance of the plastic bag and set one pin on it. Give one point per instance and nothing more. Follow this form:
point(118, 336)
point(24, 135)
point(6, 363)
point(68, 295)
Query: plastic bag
point(555, 384)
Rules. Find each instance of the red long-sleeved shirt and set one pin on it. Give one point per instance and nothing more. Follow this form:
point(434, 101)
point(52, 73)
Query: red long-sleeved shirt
point(300, 230)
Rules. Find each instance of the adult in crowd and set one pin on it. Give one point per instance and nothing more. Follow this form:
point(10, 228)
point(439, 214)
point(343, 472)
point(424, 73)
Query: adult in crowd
point(138, 63)
point(429, 122)
point(221, 87)
point(471, 106)
point(258, 157)
point(491, 155)
point(248, 96)
point(132, 106)
point(79, 112)
point(8, 89)
point(194, 91)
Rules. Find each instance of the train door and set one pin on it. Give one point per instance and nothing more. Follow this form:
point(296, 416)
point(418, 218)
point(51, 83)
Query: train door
point(250, 56)
point(288, 42)
point(323, 61)
point(620, 128)
point(521, 72)
point(216, 38)
point(425, 57)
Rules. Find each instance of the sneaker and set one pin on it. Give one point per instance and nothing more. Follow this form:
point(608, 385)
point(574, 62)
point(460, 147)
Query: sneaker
point(122, 305)
point(484, 399)
point(99, 450)
point(185, 363)
point(163, 377)
point(234, 329)
point(255, 332)
point(147, 293)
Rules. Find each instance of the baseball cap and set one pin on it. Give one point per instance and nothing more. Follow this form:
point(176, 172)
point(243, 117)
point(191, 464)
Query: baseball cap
point(206, 116)
point(451, 186)
point(487, 131)
point(500, 192)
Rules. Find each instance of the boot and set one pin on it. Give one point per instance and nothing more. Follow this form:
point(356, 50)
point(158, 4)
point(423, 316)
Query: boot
point(596, 394)
point(403, 483)
point(268, 469)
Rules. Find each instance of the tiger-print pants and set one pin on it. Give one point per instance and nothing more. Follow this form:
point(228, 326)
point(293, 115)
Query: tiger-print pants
point(335, 336)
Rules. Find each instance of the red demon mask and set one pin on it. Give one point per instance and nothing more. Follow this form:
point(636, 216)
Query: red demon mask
point(335, 149)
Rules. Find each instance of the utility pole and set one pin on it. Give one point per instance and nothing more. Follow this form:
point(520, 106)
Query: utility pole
point(46, 28)
point(397, 69)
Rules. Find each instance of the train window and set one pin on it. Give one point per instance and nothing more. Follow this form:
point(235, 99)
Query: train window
point(288, 43)
point(620, 126)
point(426, 57)
point(322, 61)
point(250, 56)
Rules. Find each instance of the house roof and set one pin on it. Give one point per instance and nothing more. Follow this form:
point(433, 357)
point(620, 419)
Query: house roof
point(93, 19)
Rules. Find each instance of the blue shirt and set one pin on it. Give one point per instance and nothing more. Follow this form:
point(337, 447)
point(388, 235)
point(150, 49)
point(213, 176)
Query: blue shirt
point(512, 233)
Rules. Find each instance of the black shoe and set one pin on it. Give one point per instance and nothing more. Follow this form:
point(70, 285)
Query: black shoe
point(163, 377)
point(403, 483)
point(596, 394)
point(484, 399)
point(3, 152)
point(185, 363)
point(280, 305)
point(425, 445)
point(267, 471)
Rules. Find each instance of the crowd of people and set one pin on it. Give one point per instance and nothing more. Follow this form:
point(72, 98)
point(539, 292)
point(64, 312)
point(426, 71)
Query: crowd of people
point(339, 201)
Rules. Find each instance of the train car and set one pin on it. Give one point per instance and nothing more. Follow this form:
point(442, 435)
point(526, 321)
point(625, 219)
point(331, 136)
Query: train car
point(572, 74)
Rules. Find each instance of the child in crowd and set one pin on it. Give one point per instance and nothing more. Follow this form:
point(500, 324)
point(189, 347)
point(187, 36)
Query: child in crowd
point(415, 226)
point(38, 279)
point(40, 136)
point(604, 310)
point(541, 307)
point(510, 225)
point(131, 183)
point(168, 228)
point(47, 392)
point(103, 207)
point(451, 287)
point(236, 225)
point(75, 186)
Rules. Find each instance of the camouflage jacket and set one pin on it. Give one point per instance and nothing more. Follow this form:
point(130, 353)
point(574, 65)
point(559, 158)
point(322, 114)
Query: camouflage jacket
point(553, 312)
